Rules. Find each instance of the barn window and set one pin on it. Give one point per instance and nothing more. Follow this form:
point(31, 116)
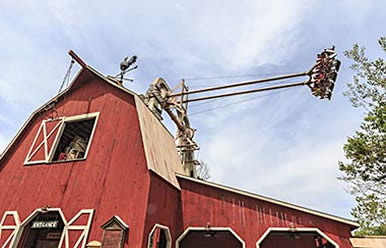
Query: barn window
point(74, 140)
point(63, 139)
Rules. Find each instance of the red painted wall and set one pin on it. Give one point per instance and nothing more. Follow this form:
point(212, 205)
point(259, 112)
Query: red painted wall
point(113, 180)
point(164, 207)
point(247, 216)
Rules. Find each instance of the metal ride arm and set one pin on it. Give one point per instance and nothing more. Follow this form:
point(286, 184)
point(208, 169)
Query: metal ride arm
point(247, 91)
point(159, 97)
point(242, 84)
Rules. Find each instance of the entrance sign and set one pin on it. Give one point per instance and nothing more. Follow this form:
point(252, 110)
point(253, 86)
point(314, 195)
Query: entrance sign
point(45, 224)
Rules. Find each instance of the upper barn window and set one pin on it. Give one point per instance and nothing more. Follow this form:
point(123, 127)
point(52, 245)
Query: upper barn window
point(63, 139)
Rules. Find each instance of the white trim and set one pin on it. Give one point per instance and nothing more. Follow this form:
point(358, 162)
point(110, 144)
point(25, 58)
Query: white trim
point(12, 237)
point(85, 117)
point(56, 140)
point(187, 230)
point(117, 219)
point(267, 199)
point(82, 239)
point(31, 216)
point(168, 236)
point(45, 141)
point(61, 125)
point(29, 155)
point(47, 155)
point(40, 210)
point(297, 229)
point(121, 221)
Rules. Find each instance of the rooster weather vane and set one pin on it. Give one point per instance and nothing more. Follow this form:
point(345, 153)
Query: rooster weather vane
point(127, 65)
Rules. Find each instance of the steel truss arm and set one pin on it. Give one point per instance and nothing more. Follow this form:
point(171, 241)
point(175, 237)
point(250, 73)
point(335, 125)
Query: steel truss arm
point(160, 97)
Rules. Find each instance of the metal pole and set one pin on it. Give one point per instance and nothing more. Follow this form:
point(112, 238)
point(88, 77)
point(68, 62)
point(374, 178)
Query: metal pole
point(241, 84)
point(247, 91)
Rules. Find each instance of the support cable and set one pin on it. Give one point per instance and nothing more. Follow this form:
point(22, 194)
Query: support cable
point(235, 76)
point(241, 101)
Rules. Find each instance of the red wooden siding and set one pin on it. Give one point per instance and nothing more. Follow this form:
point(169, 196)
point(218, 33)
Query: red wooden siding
point(113, 180)
point(163, 207)
point(248, 217)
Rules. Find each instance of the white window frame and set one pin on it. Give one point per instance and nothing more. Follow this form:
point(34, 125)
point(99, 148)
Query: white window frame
point(62, 125)
point(168, 236)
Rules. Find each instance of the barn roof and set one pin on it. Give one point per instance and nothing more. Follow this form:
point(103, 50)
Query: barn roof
point(162, 159)
point(270, 200)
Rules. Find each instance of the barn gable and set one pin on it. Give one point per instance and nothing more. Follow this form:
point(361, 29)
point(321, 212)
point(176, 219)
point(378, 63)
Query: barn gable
point(121, 151)
point(163, 160)
point(115, 165)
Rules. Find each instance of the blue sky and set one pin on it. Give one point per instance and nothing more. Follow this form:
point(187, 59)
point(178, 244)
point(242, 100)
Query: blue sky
point(285, 145)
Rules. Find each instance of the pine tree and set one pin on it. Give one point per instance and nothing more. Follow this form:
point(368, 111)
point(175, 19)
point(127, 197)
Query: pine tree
point(365, 151)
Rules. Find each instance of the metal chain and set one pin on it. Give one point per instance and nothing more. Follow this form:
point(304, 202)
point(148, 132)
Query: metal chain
point(67, 76)
point(65, 79)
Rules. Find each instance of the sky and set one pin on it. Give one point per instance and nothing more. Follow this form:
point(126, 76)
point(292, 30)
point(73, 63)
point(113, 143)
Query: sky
point(284, 144)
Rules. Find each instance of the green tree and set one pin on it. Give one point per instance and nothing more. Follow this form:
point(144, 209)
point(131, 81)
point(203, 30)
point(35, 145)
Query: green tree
point(365, 151)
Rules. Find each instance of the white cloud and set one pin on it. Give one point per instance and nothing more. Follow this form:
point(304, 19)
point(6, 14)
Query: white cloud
point(302, 172)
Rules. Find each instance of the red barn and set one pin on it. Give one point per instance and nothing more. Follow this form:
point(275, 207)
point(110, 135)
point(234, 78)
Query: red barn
point(94, 167)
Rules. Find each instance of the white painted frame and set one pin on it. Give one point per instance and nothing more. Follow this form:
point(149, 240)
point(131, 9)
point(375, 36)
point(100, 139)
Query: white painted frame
point(12, 237)
point(85, 228)
point(47, 154)
point(168, 235)
point(67, 226)
point(187, 230)
point(62, 125)
point(297, 230)
point(31, 216)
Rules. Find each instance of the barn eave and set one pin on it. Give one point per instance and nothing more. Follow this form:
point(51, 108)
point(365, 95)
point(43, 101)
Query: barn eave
point(351, 223)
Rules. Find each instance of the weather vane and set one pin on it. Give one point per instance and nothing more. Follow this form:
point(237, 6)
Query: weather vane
point(126, 66)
